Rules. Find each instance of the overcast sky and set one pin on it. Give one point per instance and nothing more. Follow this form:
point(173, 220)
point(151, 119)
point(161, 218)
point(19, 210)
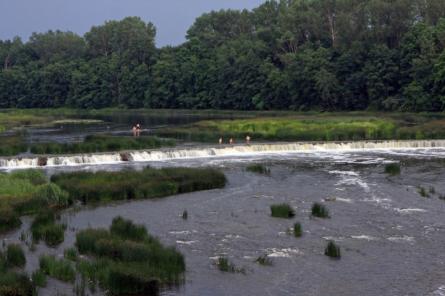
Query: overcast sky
point(172, 18)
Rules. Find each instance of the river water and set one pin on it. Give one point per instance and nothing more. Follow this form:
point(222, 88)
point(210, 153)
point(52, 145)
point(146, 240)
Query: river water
point(391, 238)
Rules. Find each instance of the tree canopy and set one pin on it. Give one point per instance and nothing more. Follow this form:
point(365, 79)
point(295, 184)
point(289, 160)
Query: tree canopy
point(288, 54)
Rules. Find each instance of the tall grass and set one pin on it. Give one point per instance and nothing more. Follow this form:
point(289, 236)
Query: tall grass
point(258, 168)
point(298, 230)
point(102, 143)
point(15, 284)
point(9, 219)
point(319, 210)
point(282, 211)
point(127, 260)
point(60, 269)
point(91, 187)
point(15, 256)
point(392, 169)
point(44, 227)
point(332, 250)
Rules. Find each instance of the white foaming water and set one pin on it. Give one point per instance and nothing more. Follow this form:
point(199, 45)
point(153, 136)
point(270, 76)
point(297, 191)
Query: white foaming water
point(364, 237)
point(283, 253)
point(224, 151)
point(439, 292)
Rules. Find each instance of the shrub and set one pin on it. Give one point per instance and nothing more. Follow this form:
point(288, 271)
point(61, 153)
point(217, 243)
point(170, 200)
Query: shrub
point(282, 211)
point(58, 269)
point(298, 232)
point(258, 168)
point(15, 257)
point(332, 250)
point(320, 211)
point(39, 278)
point(392, 169)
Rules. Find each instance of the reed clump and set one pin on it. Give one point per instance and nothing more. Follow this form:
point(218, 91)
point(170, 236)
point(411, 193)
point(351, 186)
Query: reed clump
point(15, 257)
point(332, 250)
point(264, 260)
point(102, 143)
point(60, 269)
point(258, 169)
point(89, 187)
point(392, 169)
point(283, 210)
point(44, 227)
point(298, 230)
point(126, 260)
point(319, 210)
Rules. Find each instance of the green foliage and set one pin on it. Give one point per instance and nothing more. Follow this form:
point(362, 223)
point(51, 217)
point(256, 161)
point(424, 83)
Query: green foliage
point(332, 250)
point(71, 254)
point(8, 219)
point(264, 260)
point(36, 177)
point(319, 210)
point(392, 169)
point(423, 192)
point(60, 269)
point(39, 278)
point(102, 143)
point(258, 168)
point(297, 230)
point(15, 257)
point(224, 265)
point(12, 283)
point(128, 263)
point(44, 227)
point(282, 211)
point(150, 183)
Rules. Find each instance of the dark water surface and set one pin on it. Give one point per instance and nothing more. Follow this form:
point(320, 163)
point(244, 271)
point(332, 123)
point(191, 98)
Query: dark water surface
point(391, 238)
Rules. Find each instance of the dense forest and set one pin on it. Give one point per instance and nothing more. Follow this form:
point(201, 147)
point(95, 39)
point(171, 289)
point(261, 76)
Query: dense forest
point(288, 54)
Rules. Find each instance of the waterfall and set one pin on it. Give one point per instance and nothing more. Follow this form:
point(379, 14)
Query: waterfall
point(202, 152)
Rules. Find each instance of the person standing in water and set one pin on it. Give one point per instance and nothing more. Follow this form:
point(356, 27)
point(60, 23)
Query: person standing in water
point(248, 140)
point(220, 141)
point(138, 130)
point(134, 129)
point(231, 141)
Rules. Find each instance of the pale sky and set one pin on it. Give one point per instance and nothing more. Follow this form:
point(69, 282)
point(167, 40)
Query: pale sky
point(172, 18)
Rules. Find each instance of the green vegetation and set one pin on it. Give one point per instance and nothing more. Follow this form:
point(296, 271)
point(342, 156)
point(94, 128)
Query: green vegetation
point(314, 127)
point(15, 257)
point(14, 283)
point(264, 260)
point(392, 169)
point(224, 265)
point(60, 269)
point(71, 254)
point(8, 218)
point(332, 250)
point(150, 183)
point(126, 260)
point(298, 55)
point(298, 230)
point(423, 192)
point(258, 168)
point(319, 210)
point(39, 278)
point(102, 143)
point(44, 227)
point(282, 211)
point(185, 215)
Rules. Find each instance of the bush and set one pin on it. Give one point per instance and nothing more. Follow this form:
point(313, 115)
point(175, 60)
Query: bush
point(58, 269)
point(392, 169)
point(298, 232)
point(320, 211)
point(332, 250)
point(258, 168)
point(39, 278)
point(282, 211)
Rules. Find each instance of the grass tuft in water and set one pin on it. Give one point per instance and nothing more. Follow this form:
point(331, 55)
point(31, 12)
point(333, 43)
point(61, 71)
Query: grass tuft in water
point(44, 227)
point(258, 169)
point(332, 250)
point(423, 192)
point(185, 215)
point(9, 219)
point(392, 169)
point(298, 231)
point(60, 269)
point(264, 260)
point(71, 254)
point(39, 278)
point(282, 211)
point(15, 257)
point(320, 211)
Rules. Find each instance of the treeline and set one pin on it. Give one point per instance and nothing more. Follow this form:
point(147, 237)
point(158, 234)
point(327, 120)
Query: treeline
point(288, 54)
